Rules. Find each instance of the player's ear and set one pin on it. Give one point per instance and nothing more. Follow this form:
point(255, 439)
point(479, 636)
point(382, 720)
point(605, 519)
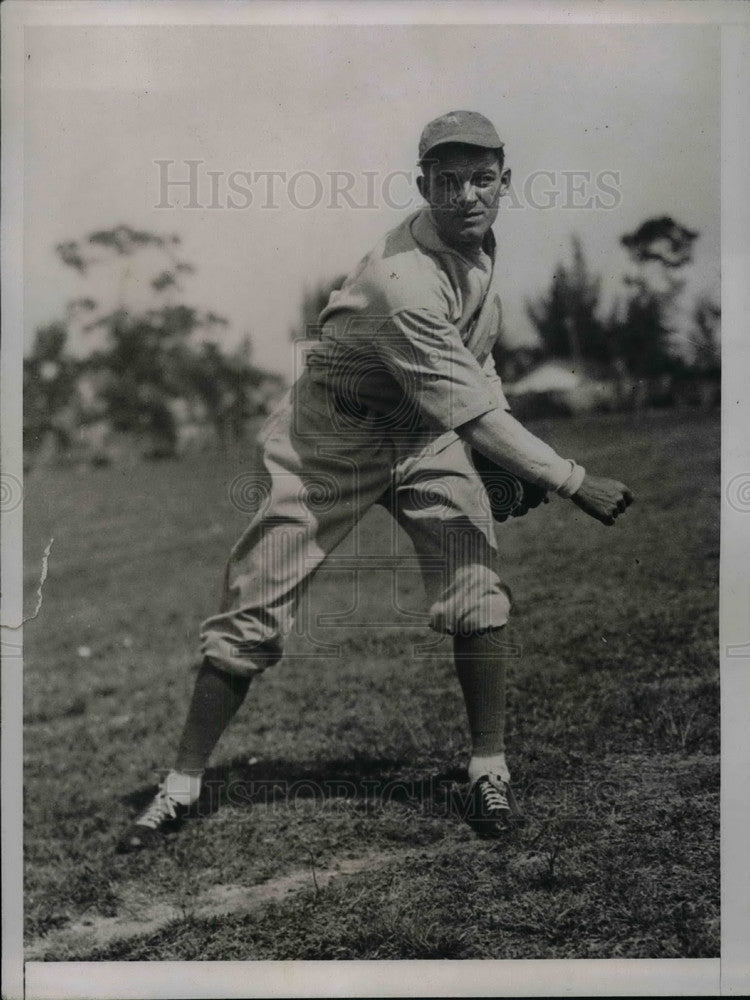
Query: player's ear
point(504, 181)
point(424, 181)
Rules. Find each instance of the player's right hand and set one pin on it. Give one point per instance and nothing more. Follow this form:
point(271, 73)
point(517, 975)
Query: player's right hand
point(602, 498)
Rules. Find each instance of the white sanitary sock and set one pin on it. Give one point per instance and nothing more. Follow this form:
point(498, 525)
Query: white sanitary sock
point(489, 765)
point(183, 788)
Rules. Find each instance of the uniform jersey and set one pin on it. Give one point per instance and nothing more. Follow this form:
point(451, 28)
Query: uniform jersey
point(411, 331)
point(406, 344)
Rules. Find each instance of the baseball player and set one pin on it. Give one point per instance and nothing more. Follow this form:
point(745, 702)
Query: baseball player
point(397, 401)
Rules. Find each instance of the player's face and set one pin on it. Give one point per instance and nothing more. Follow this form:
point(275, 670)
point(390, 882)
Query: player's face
point(463, 188)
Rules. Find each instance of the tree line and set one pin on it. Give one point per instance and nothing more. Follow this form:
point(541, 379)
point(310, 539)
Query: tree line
point(146, 366)
point(639, 334)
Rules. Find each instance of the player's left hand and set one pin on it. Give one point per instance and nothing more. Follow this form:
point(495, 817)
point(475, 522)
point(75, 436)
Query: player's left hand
point(509, 495)
point(533, 496)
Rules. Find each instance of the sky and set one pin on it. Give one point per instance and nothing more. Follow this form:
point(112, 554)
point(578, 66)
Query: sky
point(604, 127)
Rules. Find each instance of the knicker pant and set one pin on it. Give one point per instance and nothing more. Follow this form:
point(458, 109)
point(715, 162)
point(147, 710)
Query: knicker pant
point(316, 483)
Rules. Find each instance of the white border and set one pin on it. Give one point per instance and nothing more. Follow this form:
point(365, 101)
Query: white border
point(519, 978)
point(335, 12)
point(735, 529)
point(130, 980)
point(11, 521)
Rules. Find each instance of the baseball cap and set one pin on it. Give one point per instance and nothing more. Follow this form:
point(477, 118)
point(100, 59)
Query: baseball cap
point(468, 127)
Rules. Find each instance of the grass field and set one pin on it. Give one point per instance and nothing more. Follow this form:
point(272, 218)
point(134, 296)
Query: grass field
point(328, 832)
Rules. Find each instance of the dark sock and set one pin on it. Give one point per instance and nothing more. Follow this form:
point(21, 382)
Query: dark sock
point(481, 669)
point(216, 697)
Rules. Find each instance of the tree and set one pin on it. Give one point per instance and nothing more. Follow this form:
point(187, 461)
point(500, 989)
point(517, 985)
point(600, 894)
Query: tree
point(663, 240)
point(49, 389)
point(643, 334)
point(705, 335)
point(642, 338)
point(566, 316)
point(147, 353)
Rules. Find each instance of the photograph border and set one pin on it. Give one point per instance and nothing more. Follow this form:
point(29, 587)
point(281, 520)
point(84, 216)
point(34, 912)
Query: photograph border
point(729, 975)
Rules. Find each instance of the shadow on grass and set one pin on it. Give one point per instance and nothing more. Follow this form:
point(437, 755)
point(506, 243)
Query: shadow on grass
point(365, 780)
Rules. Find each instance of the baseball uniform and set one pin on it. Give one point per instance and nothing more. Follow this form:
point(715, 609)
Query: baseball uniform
point(400, 359)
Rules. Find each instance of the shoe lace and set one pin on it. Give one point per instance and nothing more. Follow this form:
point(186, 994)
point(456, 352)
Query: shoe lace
point(494, 796)
point(163, 808)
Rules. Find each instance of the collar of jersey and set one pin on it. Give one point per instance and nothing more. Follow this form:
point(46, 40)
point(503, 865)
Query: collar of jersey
point(424, 232)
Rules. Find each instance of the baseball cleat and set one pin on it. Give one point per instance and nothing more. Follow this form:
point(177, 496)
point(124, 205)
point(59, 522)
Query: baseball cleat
point(491, 809)
point(163, 815)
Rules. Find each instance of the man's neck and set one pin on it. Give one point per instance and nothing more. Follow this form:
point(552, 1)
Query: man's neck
point(433, 238)
point(473, 249)
point(467, 248)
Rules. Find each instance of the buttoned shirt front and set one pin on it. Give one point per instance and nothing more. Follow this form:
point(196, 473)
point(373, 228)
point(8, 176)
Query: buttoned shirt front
point(410, 332)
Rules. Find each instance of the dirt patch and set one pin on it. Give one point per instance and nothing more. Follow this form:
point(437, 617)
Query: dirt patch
point(220, 900)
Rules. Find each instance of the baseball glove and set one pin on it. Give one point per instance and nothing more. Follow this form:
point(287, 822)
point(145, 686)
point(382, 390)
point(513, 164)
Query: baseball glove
point(508, 494)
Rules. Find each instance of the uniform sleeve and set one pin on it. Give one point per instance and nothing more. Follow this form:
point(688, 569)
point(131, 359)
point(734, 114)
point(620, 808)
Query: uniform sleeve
point(495, 381)
point(435, 370)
